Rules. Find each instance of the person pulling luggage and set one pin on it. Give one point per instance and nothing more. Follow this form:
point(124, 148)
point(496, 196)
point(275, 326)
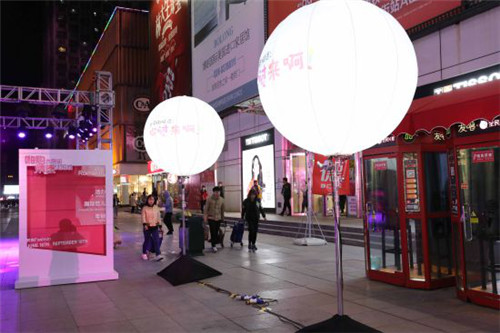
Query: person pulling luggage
point(252, 209)
point(214, 215)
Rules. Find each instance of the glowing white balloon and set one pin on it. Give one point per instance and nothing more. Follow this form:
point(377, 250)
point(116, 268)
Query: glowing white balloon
point(184, 135)
point(336, 77)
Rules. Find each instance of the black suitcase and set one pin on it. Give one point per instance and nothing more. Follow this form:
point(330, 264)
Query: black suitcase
point(237, 233)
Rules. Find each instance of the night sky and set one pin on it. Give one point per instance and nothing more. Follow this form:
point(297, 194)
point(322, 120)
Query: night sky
point(21, 46)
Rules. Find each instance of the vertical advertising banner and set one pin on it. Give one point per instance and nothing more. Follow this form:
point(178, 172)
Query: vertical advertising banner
point(322, 179)
point(410, 13)
point(258, 165)
point(170, 49)
point(227, 39)
point(65, 217)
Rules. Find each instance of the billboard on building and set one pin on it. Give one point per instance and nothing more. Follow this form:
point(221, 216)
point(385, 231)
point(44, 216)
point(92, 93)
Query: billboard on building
point(170, 49)
point(257, 164)
point(65, 217)
point(277, 11)
point(410, 13)
point(227, 39)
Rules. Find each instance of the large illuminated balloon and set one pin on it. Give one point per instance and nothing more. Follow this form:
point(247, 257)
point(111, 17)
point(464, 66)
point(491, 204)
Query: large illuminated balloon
point(184, 135)
point(337, 76)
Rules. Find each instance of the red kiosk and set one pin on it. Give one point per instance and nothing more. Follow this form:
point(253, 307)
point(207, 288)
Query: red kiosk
point(432, 194)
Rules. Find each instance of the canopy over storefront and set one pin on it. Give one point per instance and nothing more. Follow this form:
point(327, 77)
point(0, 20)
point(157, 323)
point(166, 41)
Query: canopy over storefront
point(481, 102)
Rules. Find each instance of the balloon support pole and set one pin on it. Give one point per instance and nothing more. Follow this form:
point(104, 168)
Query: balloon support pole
point(186, 269)
point(340, 322)
point(308, 239)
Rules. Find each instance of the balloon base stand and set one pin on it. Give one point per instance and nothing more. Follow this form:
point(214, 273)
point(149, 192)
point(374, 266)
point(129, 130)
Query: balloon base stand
point(309, 241)
point(185, 269)
point(338, 324)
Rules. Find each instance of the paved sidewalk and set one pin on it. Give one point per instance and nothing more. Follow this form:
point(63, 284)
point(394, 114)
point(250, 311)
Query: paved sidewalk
point(301, 278)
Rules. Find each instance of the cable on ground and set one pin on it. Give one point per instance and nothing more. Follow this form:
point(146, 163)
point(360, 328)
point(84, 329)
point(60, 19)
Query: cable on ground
point(260, 303)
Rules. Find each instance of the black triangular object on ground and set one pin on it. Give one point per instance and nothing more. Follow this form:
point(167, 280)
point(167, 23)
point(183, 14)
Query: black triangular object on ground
point(338, 324)
point(185, 270)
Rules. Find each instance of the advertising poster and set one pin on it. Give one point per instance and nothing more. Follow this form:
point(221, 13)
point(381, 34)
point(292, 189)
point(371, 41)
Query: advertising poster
point(322, 180)
point(66, 206)
point(258, 164)
point(410, 13)
point(412, 195)
point(65, 217)
point(170, 49)
point(227, 39)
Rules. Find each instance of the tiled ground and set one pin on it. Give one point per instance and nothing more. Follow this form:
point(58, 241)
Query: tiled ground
point(301, 278)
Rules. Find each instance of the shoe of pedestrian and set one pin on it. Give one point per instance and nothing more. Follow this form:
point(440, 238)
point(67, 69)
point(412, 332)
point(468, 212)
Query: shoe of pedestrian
point(158, 258)
point(170, 233)
point(281, 214)
point(144, 257)
point(250, 247)
point(214, 249)
point(254, 248)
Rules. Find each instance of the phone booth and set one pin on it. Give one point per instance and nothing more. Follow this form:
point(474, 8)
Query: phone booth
point(477, 162)
point(432, 192)
point(408, 226)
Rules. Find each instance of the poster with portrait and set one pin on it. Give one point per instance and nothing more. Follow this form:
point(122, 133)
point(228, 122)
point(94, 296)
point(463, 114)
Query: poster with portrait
point(258, 165)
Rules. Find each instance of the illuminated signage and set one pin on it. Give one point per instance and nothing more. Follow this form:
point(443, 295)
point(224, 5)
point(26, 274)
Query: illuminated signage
point(467, 83)
point(261, 138)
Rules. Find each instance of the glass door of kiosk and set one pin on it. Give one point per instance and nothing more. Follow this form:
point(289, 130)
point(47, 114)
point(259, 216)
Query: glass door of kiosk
point(479, 188)
point(382, 226)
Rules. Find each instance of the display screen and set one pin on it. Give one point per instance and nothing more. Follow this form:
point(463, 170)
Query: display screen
point(67, 208)
point(11, 189)
point(258, 164)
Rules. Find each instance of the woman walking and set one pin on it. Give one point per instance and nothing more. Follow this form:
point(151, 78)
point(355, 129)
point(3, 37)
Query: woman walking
point(151, 222)
point(252, 209)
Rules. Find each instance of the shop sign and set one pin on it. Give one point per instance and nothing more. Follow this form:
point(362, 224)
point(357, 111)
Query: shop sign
point(483, 156)
point(153, 168)
point(258, 140)
point(467, 83)
point(412, 200)
point(380, 165)
point(410, 13)
point(141, 104)
point(322, 177)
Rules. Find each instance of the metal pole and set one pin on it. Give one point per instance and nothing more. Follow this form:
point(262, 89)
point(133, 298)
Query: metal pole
point(309, 165)
point(358, 165)
point(183, 216)
point(338, 247)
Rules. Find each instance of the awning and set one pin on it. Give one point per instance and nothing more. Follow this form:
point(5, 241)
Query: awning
point(481, 102)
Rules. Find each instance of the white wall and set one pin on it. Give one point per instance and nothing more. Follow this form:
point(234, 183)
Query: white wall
point(461, 48)
point(229, 163)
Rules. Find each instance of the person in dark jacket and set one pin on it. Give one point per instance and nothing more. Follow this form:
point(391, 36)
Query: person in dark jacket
point(167, 218)
point(286, 191)
point(252, 209)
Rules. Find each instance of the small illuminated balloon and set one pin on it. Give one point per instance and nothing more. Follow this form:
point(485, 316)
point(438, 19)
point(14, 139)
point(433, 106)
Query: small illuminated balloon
point(184, 135)
point(337, 76)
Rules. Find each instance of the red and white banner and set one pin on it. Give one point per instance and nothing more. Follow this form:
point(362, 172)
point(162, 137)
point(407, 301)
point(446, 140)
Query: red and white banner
point(483, 156)
point(277, 11)
point(410, 13)
point(153, 168)
point(65, 217)
point(322, 180)
point(170, 49)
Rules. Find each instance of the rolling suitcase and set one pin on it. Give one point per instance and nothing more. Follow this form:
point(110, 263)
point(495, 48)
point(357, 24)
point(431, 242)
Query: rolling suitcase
point(237, 233)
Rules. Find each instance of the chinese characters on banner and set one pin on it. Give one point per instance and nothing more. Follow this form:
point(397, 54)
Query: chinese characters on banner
point(170, 49)
point(322, 180)
point(66, 206)
point(483, 156)
point(410, 13)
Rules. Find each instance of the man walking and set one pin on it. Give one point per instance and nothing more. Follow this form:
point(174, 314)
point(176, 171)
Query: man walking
point(214, 215)
point(286, 191)
point(167, 218)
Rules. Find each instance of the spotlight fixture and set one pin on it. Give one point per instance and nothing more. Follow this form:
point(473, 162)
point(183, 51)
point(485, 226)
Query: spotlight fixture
point(21, 132)
point(49, 132)
point(72, 133)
